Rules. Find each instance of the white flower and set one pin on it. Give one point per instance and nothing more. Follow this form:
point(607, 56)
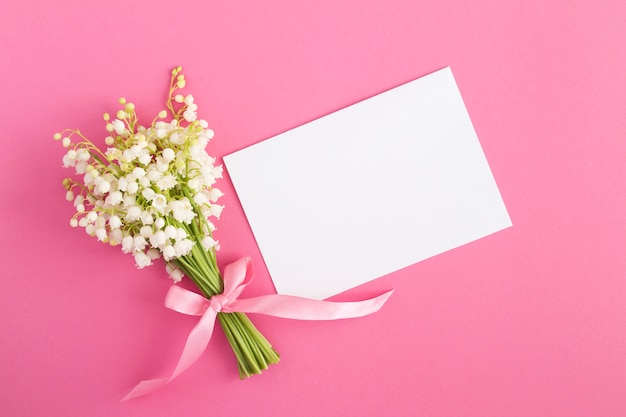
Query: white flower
point(115, 222)
point(217, 171)
point(146, 218)
point(145, 157)
point(114, 198)
point(190, 115)
point(145, 231)
point(162, 165)
point(198, 150)
point(139, 242)
point(101, 221)
point(92, 216)
point(215, 194)
point(177, 138)
point(167, 182)
point(139, 173)
point(168, 155)
point(141, 139)
point(119, 126)
point(88, 179)
point(136, 151)
point(180, 234)
point(142, 260)
point(158, 239)
point(103, 186)
point(127, 244)
point(133, 213)
point(132, 187)
point(183, 247)
point(127, 156)
point(182, 210)
point(159, 203)
point(169, 252)
point(101, 233)
point(112, 153)
point(208, 242)
point(195, 183)
point(176, 275)
point(170, 231)
point(81, 167)
point(82, 154)
point(148, 194)
point(129, 200)
point(216, 210)
point(158, 222)
point(200, 199)
point(122, 183)
point(115, 237)
point(68, 161)
point(78, 200)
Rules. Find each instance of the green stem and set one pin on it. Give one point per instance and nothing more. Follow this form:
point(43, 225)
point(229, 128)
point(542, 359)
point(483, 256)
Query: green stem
point(253, 352)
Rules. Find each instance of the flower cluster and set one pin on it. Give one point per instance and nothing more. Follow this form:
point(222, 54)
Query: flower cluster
point(152, 190)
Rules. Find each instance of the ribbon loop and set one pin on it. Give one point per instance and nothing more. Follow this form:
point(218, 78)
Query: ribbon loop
point(236, 277)
point(185, 302)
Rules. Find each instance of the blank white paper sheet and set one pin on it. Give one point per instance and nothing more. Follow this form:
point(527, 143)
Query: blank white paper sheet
point(369, 189)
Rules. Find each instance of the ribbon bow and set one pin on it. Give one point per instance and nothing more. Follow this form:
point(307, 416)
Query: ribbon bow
point(236, 277)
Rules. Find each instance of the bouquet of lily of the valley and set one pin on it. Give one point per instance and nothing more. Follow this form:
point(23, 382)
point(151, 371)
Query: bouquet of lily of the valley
point(152, 193)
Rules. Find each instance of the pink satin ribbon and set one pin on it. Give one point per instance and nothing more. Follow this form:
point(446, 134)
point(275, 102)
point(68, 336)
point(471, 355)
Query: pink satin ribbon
point(236, 277)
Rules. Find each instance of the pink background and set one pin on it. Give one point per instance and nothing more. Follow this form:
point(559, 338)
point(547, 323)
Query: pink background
point(530, 321)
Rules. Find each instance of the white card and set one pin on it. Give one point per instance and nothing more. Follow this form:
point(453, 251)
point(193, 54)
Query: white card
point(369, 189)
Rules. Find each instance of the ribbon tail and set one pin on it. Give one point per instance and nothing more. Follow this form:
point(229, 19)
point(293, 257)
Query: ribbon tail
point(146, 387)
point(197, 342)
point(292, 307)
